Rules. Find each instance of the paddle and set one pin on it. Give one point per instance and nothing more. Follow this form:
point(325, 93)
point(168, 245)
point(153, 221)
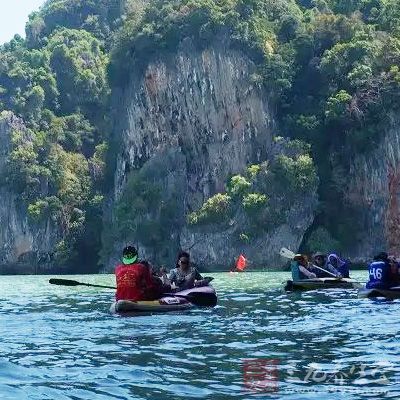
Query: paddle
point(286, 253)
point(69, 282)
point(198, 299)
point(289, 254)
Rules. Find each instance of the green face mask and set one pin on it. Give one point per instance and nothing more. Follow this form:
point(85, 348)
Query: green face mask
point(129, 259)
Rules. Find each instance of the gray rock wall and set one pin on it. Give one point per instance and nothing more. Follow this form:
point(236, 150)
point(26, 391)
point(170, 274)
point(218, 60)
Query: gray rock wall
point(24, 247)
point(373, 187)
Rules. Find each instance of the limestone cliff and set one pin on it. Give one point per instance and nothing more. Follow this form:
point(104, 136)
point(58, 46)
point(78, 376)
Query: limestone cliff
point(372, 186)
point(24, 247)
point(195, 119)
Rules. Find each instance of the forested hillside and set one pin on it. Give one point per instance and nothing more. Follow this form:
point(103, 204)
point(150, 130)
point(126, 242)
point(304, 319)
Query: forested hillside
point(56, 81)
point(330, 69)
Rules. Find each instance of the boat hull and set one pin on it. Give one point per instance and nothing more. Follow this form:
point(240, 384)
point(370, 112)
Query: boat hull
point(179, 301)
point(392, 294)
point(322, 283)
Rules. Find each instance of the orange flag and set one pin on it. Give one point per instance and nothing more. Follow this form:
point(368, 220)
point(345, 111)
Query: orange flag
point(241, 263)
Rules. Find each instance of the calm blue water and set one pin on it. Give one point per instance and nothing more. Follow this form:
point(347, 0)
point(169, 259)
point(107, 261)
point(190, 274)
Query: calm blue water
point(61, 343)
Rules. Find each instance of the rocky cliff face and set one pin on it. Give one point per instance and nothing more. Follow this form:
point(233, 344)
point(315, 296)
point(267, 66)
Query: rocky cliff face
point(24, 248)
point(204, 104)
point(373, 187)
point(202, 109)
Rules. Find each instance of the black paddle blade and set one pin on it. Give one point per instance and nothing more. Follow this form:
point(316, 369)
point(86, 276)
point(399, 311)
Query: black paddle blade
point(289, 286)
point(63, 282)
point(203, 299)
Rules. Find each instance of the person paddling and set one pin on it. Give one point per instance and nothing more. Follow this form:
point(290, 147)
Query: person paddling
point(302, 269)
point(185, 276)
point(134, 278)
point(395, 270)
point(322, 268)
point(383, 274)
point(336, 263)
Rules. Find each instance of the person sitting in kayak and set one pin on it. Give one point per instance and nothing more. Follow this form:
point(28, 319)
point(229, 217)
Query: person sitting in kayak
point(336, 263)
point(302, 269)
point(395, 269)
point(135, 280)
point(322, 269)
point(184, 276)
point(382, 274)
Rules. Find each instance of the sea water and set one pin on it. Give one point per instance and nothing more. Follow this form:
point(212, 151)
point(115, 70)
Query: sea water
point(62, 343)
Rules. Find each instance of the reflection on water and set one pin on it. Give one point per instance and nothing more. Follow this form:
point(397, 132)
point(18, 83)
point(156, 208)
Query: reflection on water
point(61, 343)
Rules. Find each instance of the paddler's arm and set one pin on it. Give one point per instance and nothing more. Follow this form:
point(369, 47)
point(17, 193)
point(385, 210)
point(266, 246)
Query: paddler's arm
point(164, 276)
point(198, 279)
point(306, 272)
point(172, 276)
point(329, 267)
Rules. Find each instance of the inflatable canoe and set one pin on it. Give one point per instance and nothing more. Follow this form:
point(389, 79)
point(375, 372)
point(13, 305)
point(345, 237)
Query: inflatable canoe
point(322, 283)
point(392, 293)
point(197, 297)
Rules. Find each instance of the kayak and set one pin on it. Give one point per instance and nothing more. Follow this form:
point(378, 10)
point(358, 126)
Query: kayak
point(392, 293)
point(164, 304)
point(184, 300)
point(322, 283)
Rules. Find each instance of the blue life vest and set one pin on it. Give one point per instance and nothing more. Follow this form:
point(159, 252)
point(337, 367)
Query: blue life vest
point(344, 270)
point(379, 275)
point(296, 274)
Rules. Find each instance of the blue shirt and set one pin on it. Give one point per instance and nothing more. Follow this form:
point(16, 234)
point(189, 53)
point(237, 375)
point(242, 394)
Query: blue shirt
point(379, 275)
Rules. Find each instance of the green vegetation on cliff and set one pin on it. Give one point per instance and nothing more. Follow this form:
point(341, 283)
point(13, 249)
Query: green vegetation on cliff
point(259, 202)
point(56, 81)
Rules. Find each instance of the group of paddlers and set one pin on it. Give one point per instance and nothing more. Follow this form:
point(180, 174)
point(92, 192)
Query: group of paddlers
point(320, 266)
point(383, 271)
point(138, 280)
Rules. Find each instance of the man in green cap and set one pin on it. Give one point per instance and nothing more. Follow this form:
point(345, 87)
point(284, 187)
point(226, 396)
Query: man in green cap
point(135, 281)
